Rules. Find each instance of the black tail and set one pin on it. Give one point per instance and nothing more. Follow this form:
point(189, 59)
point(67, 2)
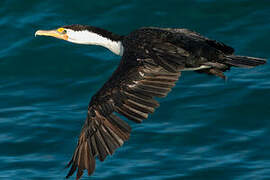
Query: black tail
point(217, 68)
point(243, 61)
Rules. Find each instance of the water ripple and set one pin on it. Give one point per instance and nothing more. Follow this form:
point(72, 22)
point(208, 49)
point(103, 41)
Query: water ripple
point(206, 128)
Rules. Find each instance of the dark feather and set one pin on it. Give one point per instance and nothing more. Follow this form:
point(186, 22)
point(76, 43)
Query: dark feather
point(72, 170)
point(139, 98)
point(148, 92)
point(108, 140)
point(167, 65)
point(139, 107)
point(150, 67)
point(117, 135)
point(93, 144)
point(153, 88)
point(115, 120)
point(117, 132)
point(100, 147)
point(243, 61)
point(129, 114)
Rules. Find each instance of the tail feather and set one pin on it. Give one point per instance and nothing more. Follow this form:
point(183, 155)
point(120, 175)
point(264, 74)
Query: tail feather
point(243, 61)
point(217, 68)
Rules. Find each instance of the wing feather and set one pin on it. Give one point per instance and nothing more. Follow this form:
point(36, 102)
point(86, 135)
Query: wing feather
point(128, 92)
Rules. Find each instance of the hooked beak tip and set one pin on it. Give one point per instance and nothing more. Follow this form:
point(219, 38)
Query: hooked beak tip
point(37, 33)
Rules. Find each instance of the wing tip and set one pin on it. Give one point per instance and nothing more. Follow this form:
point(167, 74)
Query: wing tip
point(105, 137)
point(90, 169)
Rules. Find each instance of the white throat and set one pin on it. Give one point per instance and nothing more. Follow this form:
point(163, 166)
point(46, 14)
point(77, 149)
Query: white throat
point(91, 38)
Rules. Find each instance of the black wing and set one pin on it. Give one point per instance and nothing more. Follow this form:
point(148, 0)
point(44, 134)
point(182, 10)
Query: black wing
point(194, 41)
point(145, 73)
point(129, 92)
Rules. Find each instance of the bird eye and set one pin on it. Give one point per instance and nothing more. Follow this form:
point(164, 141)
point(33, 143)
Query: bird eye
point(62, 30)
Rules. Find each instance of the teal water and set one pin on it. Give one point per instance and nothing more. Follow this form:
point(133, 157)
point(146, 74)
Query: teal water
point(206, 128)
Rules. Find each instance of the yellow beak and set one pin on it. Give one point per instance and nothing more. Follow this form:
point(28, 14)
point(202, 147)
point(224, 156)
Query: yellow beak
point(52, 33)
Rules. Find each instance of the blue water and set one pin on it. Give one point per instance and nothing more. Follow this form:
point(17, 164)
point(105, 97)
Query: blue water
point(206, 128)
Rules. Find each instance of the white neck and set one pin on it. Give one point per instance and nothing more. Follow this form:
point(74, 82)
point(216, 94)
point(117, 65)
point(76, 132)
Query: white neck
point(91, 38)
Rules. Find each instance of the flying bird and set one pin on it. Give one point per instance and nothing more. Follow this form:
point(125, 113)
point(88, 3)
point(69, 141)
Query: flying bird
point(152, 61)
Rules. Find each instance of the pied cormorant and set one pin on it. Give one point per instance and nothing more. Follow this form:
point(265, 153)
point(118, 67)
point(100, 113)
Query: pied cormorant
point(152, 61)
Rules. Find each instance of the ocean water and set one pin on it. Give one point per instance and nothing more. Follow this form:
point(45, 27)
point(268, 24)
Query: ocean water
point(206, 128)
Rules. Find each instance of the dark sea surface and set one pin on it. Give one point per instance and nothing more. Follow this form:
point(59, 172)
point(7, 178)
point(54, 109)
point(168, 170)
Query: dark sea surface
point(206, 128)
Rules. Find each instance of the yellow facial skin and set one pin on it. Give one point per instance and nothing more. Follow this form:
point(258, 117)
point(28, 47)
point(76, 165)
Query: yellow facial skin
point(60, 33)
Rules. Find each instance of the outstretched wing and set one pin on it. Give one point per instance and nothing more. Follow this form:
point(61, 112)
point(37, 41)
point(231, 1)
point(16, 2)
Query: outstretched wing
point(130, 92)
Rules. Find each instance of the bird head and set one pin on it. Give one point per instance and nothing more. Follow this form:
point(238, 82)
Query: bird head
point(68, 33)
point(82, 34)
